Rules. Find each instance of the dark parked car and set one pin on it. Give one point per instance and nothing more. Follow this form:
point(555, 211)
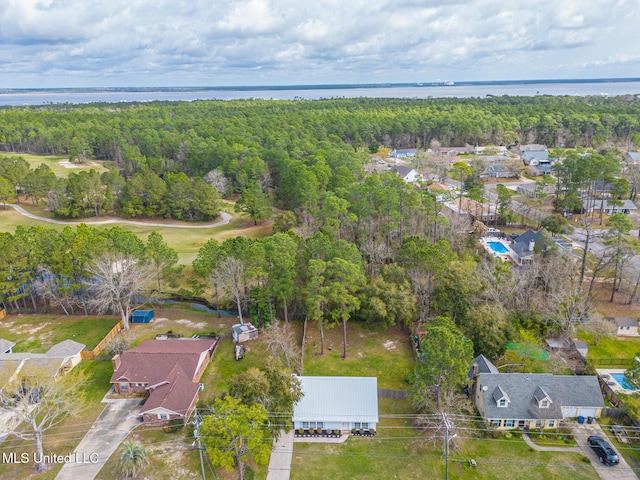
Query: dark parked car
point(514, 235)
point(606, 454)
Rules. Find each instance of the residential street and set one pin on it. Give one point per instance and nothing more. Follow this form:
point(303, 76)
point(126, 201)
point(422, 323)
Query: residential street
point(103, 438)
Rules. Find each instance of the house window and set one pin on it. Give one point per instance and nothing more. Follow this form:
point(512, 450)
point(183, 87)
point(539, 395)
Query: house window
point(538, 423)
point(363, 426)
point(124, 386)
point(496, 423)
point(552, 423)
point(628, 328)
point(139, 384)
point(544, 403)
point(502, 402)
point(163, 416)
point(305, 425)
point(509, 423)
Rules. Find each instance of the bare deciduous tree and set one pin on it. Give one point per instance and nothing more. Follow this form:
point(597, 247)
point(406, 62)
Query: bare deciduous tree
point(217, 180)
point(114, 281)
point(281, 344)
point(229, 275)
point(34, 402)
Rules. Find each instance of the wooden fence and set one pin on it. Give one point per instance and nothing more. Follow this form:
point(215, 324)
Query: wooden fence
point(3, 313)
point(91, 354)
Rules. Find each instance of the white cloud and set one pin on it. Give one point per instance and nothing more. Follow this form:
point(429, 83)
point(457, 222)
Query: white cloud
point(198, 42)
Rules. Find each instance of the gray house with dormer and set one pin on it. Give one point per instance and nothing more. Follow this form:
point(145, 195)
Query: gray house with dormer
point(532, 400)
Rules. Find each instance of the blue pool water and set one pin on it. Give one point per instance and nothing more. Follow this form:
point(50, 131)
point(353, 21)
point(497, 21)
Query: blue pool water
point(498, 247)
point(622, 381)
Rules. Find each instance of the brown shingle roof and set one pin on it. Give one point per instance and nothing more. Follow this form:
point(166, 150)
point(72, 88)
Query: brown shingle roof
point(177, 395)
point(168, 368)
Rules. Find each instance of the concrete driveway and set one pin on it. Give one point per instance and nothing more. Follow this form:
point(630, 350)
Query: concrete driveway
point(617, 472)
point(114, 423)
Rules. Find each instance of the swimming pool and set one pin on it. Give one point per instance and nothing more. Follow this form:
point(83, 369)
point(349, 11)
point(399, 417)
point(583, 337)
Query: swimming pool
point(498, 247)
point(623, 381)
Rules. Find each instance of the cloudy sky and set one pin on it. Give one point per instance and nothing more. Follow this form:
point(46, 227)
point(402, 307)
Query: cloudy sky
point(75, 43)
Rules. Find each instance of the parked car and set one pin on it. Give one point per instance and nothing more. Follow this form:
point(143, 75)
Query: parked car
point(606, 454)
point(514, 235)
point(493, 230)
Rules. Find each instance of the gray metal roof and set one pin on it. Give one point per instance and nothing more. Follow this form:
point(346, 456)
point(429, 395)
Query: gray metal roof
point(564, 390)
point(337, 399)
point(634, 155)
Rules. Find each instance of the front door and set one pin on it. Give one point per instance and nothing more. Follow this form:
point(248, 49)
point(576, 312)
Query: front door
point(521, 424)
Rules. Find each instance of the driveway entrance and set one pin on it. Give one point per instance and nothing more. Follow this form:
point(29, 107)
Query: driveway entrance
point(112, 426)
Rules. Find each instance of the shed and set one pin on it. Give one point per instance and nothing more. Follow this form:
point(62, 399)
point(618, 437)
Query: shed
point(337, 403)
point(626, 326)
point(243, 332)
point(142, 316)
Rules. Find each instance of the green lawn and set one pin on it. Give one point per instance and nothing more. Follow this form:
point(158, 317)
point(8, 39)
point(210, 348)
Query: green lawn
point(385, 354)
point(397, 452)
point(615, 347)
point(54, 163)
point(38, 333)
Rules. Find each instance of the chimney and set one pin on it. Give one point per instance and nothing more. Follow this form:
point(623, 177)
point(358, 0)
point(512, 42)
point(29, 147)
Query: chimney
point(475, 369)
point(116, 361)
point(532, 244)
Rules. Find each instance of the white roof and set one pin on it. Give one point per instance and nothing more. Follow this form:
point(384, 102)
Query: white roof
point(337, 399)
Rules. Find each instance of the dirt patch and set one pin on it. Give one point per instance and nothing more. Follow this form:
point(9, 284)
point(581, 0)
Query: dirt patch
point(389, 345)
point(190, 324)
point(29, 329)
point(68, 164)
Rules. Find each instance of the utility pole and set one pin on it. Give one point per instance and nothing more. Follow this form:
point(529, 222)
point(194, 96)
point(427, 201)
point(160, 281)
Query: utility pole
point(197, 422)
point(447, 426)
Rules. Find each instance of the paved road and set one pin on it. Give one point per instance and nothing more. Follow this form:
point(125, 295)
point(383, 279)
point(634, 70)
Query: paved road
point(617, 472)
point(112, 426)
point(226, 218)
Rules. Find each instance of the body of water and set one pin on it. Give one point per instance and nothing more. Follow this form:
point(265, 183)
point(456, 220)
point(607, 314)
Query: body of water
point(604, 88)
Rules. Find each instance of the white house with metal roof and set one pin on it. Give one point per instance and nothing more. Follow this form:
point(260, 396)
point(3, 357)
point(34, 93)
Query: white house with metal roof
point(337, 403)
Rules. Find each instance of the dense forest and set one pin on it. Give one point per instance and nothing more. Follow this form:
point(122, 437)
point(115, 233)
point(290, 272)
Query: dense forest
point(296, 151)
point(346, 247)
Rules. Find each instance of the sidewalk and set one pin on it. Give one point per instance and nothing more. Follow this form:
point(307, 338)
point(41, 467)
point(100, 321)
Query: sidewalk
point(281, 455)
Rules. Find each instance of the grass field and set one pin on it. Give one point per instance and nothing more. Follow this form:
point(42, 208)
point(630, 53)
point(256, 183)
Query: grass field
point(615, 347)
point(38, 333)
point(54, 163)
point(383, 353)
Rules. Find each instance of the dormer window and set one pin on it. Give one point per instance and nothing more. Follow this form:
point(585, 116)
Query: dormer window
point(500, 397)
point(542, 398)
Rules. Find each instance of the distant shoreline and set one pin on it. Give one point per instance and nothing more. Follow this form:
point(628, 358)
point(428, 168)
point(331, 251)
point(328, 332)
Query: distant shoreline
point(240, 88)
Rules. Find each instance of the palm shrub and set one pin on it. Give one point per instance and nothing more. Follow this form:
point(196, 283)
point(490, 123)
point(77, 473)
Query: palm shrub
point(133, 458)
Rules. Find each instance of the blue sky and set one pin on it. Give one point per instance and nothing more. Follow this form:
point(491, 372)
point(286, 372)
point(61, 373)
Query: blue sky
point(78, 43)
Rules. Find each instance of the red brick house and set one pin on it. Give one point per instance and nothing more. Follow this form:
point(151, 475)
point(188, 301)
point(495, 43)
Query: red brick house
point(166, 373)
